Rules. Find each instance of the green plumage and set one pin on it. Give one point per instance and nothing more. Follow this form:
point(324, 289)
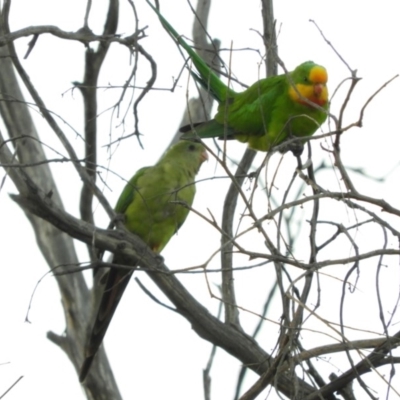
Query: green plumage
point(149, 199)
point(266, 113)
point(153, 203)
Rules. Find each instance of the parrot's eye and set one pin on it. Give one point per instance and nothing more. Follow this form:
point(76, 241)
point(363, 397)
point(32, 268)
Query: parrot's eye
point(305, 79)
point(192, 147)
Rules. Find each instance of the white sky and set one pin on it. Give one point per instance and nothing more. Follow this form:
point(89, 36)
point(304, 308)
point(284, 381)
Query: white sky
point(146, 343)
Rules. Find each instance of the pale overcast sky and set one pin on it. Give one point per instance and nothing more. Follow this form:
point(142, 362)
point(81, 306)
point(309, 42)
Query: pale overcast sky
point(366, 34)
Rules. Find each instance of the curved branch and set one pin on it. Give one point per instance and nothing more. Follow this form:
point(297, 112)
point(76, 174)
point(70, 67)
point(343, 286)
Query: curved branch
point(82, 35)
point(375, 359)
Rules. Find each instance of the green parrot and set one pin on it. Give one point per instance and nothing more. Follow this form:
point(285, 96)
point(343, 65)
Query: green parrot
point(269, 111)
point(150, 204)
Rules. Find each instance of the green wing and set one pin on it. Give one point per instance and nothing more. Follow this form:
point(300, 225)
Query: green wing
point(128, 193)
point(251, 110)
point(247, 114)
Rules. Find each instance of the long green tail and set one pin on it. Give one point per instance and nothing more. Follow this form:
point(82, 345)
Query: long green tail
point(207, 79)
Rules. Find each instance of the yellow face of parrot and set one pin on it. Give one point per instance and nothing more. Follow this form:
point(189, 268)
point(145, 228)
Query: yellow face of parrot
point(311, 87)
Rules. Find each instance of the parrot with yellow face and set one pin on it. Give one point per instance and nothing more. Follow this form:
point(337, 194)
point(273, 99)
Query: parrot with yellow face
point(268, 112)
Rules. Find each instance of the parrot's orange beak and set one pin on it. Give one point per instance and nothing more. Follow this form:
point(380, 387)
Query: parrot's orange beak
point(204, 155)
point(318, 89)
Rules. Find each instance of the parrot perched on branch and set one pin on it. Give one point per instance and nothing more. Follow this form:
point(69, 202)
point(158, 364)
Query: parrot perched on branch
point(268, 112)
point(153, 204)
